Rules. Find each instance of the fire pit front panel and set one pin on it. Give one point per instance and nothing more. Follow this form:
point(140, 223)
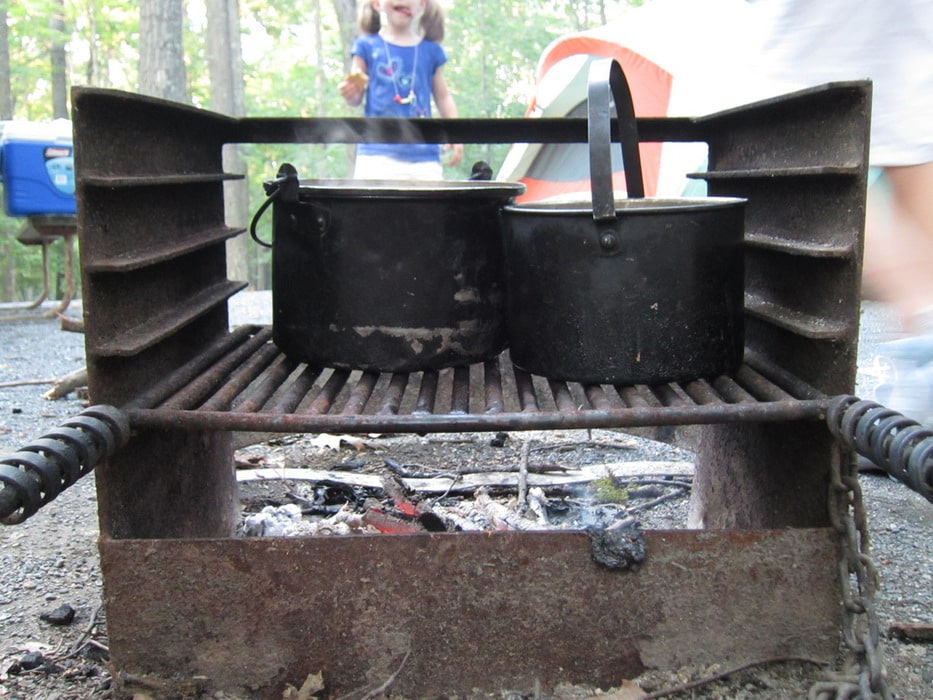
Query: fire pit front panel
point(472, 611)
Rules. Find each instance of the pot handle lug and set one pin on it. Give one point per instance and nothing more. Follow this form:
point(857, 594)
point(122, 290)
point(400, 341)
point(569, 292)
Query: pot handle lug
point(284, 187)
point(606, 79)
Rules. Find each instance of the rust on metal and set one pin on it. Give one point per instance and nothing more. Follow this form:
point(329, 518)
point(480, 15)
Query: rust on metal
point(495, 612)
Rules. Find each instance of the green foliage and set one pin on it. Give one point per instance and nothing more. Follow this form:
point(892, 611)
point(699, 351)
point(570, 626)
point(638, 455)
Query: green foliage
point(22, 272)
point(493, 45)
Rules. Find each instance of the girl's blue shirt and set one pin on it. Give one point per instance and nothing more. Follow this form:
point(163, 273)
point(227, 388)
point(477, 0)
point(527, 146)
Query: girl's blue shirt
point(397, 71)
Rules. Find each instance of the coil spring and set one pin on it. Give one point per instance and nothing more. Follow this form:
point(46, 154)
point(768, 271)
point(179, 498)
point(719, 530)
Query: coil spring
point(38, 472)
point(894, 442)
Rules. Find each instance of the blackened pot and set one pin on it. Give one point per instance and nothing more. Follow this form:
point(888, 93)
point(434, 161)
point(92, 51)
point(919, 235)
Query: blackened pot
point(627, 291)
point(389, 276)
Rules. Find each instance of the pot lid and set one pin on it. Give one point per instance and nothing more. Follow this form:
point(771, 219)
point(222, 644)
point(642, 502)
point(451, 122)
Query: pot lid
point(645, 205)
point(410, 189)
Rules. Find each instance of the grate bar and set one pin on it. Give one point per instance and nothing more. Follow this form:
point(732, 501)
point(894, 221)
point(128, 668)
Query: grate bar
point(255, 399)
point(223, 398)
point(427, 394)
point(700, 391)
point(492, 390)
point(596, 395)
point(631, 397)
point(296, 392)
point(394, 394)
point(526, 391)
point(666, 394)
point(325, 398)
point(731, 390)
point(760, 387)
point(562, 396)
point(360, 394)
point(460, 396)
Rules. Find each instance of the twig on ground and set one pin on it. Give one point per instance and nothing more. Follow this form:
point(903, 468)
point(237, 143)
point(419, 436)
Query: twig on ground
point(63, 386)
point(369, 695)
point(606, 444)
point(98, 645)
point(523, 477)
point(683, 688)
point(71, 324)
point(454, 478)
point(26, 382)
point(85, 635)
point(660, 499)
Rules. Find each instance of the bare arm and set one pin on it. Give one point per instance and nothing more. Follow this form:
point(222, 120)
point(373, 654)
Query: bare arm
point(447, 109)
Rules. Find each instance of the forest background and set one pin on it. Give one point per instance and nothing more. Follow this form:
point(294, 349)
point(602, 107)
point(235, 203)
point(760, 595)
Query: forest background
point(259, 59)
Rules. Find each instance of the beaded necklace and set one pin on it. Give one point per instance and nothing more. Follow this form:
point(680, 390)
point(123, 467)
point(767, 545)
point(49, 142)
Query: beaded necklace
point(414, 67)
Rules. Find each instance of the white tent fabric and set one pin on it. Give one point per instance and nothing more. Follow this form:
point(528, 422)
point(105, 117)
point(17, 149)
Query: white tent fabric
point(704, 46)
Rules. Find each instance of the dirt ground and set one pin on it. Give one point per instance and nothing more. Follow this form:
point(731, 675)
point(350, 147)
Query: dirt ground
point(52, 561)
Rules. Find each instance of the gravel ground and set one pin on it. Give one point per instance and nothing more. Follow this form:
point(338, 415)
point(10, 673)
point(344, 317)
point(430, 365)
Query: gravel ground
point(51, 560)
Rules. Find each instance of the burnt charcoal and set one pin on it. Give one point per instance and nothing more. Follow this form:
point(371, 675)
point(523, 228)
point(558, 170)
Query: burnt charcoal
point(29, 661)
point(408, 471)
point(97, 655)
point(432, 522)
point(620, 547)
point(499, 440)
point(649, 491)
point(62, 615)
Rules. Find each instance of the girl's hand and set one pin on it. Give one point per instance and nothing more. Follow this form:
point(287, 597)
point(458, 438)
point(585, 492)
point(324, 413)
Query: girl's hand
point(353, 87)
point(456, 153)
point(350, 92)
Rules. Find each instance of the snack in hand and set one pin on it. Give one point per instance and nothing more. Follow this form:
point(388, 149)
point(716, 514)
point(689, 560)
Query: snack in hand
point(358, 80)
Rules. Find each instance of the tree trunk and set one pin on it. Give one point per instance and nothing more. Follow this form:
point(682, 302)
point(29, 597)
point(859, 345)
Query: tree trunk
point(225, 63)
point(6, 97)
point(59, 74)
point(161, 52)
point(348, 19)
point(92, 75)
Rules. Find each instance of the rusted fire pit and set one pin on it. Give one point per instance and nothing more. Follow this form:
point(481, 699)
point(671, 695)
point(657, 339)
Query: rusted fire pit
point(465, 610)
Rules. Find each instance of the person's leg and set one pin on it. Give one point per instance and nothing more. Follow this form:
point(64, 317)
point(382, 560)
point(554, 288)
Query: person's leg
point(898, 269)
point(898, 266)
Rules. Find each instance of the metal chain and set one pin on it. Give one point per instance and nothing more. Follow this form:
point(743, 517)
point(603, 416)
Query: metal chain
point(859, 582)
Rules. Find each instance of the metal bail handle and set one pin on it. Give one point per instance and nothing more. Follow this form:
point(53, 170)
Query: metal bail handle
point(284, 188)
point(606, 80)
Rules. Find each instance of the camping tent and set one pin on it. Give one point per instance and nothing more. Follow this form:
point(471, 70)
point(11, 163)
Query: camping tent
point(680, 57)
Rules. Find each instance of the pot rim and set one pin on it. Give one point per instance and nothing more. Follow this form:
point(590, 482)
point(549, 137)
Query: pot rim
point(646, 205)
point(409, 189)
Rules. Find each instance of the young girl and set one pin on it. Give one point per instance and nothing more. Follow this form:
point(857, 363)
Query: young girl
point(403, 71)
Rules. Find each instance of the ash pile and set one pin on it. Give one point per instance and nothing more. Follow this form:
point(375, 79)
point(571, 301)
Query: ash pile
point(593, 480)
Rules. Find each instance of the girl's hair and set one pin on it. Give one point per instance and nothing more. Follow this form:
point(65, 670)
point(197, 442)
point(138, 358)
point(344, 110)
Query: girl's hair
point(432, 21)
point(369, 19)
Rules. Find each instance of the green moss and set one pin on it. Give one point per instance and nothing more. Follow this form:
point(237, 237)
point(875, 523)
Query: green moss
point(605, 490)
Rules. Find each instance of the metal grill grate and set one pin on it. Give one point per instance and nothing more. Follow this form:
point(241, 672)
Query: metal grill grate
point(245, 383)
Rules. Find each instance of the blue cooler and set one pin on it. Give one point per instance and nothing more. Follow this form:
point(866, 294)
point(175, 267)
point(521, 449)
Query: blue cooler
point(37, 168)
